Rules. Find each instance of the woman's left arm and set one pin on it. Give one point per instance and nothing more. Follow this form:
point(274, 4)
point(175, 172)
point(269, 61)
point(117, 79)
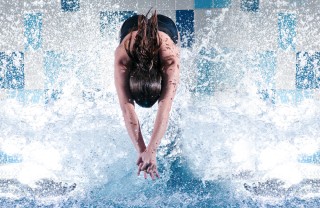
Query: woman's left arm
point(170, 78)
point(169, 54)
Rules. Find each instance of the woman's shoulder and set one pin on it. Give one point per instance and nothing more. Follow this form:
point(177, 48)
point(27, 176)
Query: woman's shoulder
point(127, 37)
point(120, 55)
point(169, 51)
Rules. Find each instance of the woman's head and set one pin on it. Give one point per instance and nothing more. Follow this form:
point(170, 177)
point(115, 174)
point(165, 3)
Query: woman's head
point(145, 90)
point(145, 70)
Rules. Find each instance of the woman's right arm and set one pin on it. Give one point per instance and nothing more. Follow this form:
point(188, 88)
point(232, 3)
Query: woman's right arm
point(121, 77)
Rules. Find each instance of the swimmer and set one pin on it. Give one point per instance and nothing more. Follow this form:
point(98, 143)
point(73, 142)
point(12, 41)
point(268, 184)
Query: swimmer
point(146, 71)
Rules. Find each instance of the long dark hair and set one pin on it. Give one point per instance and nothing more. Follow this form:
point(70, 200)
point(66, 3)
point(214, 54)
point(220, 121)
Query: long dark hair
point(145, 70)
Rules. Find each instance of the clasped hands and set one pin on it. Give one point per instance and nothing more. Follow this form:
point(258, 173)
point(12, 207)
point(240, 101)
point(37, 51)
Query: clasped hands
point(147, 162)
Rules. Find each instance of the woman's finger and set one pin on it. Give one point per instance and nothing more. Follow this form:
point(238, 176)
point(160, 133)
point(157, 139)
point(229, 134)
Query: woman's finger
point(144, 166)
point(152, 176)
point(157, 173)
point(138, 161)
point(139, 168)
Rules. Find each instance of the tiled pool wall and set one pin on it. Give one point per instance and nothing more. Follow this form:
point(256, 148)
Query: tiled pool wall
point(42, 39)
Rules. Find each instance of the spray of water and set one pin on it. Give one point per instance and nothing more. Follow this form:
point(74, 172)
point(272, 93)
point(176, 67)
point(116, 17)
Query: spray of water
point(227, 127)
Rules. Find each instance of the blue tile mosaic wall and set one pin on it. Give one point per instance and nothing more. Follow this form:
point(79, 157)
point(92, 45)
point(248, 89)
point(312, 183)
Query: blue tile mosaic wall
point(221, 3)
point(11, 70)
point(200, 4)
point(55, 64)
point(205, 71)
point(6, 159)
point(287, 31)
point(250, 5)
point(27, 96)
point(308, 68)
point(32, 31)
point(311, 159)
point(70, 5)
point(292, 96)
point(111, 20)
point(185, 25)
point(267, 64)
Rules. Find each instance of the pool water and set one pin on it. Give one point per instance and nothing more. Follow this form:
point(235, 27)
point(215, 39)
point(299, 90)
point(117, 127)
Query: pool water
point(240, 133)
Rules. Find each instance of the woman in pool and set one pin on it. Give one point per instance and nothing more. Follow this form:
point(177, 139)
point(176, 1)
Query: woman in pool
point(146, 71)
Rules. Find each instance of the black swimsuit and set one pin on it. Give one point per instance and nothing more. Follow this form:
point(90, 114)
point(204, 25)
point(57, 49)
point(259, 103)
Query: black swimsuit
point(165, 24)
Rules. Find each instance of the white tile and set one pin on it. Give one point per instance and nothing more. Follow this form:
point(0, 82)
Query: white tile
point(290, 5)
point(286, 70)
point(277, 5)
point(9, 6)
point(205, 24)
point(92, 71)
point(146, 4)
point(11, 33)
point(34, 83)
point(124, 5)
point(33, 63)
point(308, 30)
point(96, 6)
point(114, 5)
point(316, 95)
point(44, 6)
point(168, 13)
point(3, 94)
point(144, 11)
point(184, 4)
point(247, 31)
point(66, 31)
point(33, 70)
point(235, 5)
point(166, 5)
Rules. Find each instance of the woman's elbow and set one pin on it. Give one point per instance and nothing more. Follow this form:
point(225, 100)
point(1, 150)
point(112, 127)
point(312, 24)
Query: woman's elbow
point(127, 108)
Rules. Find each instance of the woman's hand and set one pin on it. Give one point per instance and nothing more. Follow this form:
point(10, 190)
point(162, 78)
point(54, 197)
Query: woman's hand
point(147, 162)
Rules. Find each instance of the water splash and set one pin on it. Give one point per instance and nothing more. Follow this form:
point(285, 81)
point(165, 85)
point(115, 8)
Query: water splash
point(227, 142)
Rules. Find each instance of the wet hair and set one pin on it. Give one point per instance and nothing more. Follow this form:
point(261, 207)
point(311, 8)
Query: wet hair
point(145, 76)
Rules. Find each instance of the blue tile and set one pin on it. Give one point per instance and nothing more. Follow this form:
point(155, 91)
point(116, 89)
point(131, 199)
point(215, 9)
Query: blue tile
point(287, 31)
point(55, 64)
point(250, 5)
point(267, 65)
point(52, 95)
point(310, 159)
point(285, 96)
point(11, 70)
point(211, 71)
point(110, 21)
point(123, 15)
point(27, 96)
point(8, 159)
point(292, 96)
point(70, 5)
point(221, 3)
point(263, 64)
point(185, 25)
point(302, 95)
point(199, 4)
point(267, 95)
point(205, 71)
point(32, 31)
point(307, 70)
point(4, 58)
